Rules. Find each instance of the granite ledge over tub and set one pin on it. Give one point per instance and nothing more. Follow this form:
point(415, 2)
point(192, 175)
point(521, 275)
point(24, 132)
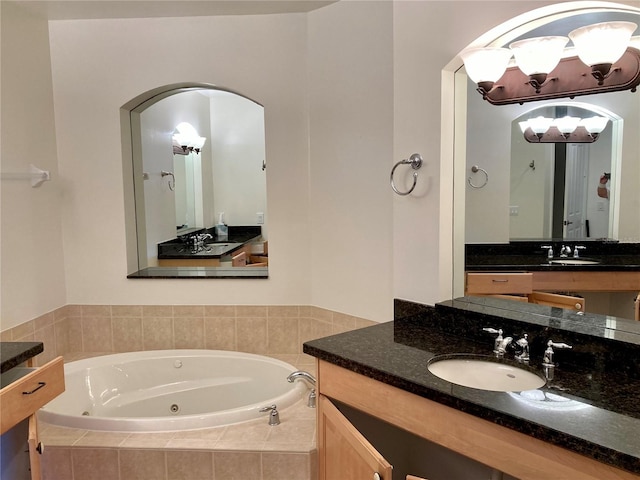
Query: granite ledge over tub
point(604, 422)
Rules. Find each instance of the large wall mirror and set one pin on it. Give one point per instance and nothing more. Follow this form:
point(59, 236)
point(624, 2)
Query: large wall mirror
point(508, 190)
point(198, 171)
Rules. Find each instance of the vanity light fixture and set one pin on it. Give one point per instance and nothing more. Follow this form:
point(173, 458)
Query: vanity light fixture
point(605, 59)
point(563, 130)
point(187, 139)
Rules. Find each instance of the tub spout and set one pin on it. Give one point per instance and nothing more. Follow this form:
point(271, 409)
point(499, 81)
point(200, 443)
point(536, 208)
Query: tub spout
point(303, 375)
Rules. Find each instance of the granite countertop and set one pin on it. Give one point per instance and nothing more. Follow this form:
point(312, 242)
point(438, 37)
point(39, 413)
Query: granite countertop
point(13, 354)
point(201, 272)
point(529, 256)
point(592, 406)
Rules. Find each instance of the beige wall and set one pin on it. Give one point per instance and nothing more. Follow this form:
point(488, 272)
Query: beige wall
point(32, 272)
point(348, 90)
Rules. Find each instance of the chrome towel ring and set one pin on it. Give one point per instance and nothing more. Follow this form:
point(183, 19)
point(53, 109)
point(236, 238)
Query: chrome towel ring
point(476, 169)
point(415, 161)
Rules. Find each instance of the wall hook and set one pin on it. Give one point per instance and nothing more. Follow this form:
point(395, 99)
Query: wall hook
point(476, 169)
point(172, 180)
point(35, 174)
point(415, 161)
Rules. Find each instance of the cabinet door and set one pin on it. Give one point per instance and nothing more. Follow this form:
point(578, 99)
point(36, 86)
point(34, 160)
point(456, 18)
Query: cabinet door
point(344, 454)
point(35, 448)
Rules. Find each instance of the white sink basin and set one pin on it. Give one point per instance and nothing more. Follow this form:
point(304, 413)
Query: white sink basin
point(573, 261)
point(483, 374)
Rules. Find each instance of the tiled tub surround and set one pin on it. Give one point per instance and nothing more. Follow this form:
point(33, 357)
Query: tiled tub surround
point(251, 450)
point(601, 372)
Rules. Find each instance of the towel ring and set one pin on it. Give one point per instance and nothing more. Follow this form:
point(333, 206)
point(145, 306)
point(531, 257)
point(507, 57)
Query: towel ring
point(415, 161)
point(476, 169)
point(172, 180)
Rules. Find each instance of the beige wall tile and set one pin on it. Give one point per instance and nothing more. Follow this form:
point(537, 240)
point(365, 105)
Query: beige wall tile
point(43, 321)
point(278, 466)
point(24, 330)
point(188, 332)
point(142, 464)
point(157, 311)
point(126, 310)
point(95, 464)
point(220, 333)
point(188, 311)
point(46, 335)
point(343, 323)
point(95, 310)
point(101, 439)
point(310, 329)
point(283, 311)
point(182, 465)
point(157, 333)
point(6, 335)
point(55, 464)
point(361, 323)
point(251, 335)
point(147, 440)
point(282, 335)
point(251, 311)
point(237, 465)
point(69, 335)
point(127, 334)
point(321, 314)
point(228, 311)
point(97, 334)
point(53, 435)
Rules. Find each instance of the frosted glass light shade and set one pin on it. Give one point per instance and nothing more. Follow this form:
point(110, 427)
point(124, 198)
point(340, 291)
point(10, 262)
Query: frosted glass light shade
point(538, 55)
point(602, 43)
point(540, 125)
point(486, 64)
point(188, 136)
point(566, 125)
point(524, 125)
point(594, 125)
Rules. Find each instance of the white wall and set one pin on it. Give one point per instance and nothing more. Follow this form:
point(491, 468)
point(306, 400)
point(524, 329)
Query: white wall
point(263, 57)
point(32, 259)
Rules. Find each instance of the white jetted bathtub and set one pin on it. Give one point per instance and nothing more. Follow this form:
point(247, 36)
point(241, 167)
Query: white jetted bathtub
point(170, 390)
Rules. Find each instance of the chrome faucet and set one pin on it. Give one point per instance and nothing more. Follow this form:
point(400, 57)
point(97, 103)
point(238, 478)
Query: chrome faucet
point(549, 250)
point(500, 343)
point(576, 249)
point(547, 359)
point(565, 251)
point(523, 344)
point(301, 374)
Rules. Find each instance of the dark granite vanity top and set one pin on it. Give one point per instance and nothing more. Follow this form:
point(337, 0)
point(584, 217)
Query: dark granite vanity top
point(592, 405)
point(215, 247)
point(530, 256)
point(13, 354)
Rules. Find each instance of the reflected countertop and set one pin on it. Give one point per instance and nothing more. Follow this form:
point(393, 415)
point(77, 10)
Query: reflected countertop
point(13, 354)
point(530, 256)
point(596, 388)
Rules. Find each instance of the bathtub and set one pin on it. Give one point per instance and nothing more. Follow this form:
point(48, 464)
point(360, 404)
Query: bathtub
point(170, 390)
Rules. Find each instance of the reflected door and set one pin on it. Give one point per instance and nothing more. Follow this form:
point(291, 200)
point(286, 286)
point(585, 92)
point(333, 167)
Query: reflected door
point(575, 193)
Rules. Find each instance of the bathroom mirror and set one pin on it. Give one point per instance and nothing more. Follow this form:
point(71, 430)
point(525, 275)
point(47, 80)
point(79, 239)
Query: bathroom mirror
point(180, 191)
point(483, 138)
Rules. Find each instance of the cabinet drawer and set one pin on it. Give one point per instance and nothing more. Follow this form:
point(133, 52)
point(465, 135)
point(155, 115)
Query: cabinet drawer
point(496, 283)
point(22, 397)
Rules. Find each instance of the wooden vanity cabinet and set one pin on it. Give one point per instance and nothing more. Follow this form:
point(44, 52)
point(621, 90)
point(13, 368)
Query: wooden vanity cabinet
point(27, 390)
point(501, 448)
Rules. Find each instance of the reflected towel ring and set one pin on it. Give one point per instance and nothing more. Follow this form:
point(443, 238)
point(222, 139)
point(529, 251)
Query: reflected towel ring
point(476, 169)
point(172, 180)
point(415, 161)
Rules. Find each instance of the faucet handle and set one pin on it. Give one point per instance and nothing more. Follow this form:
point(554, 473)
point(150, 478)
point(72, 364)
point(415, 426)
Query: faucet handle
point(576, 249)
point(547, 359)
point(274, 416)
point(549, 250)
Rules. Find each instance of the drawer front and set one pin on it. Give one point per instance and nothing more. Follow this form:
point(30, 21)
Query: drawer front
point(497, 283)
point(23, 397)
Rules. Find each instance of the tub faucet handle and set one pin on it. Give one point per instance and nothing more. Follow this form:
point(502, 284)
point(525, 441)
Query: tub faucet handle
point(274, 416)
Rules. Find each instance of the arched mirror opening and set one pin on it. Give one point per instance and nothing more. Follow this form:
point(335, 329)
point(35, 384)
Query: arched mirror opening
point(199, 185)
point(513, 195)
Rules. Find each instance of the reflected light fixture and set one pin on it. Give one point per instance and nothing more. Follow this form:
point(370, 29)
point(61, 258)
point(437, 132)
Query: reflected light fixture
point(605, 60)
point(187, 139)
point(563, 130)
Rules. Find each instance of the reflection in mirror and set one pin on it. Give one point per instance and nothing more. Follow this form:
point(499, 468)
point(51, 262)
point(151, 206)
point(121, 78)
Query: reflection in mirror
point(522, 177)
point(187, 190)
point(554, 186)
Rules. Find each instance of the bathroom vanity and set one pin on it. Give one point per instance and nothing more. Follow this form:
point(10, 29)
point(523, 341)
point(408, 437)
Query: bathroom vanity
point(582, 424)
point(526, 268)
point(24, 389)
